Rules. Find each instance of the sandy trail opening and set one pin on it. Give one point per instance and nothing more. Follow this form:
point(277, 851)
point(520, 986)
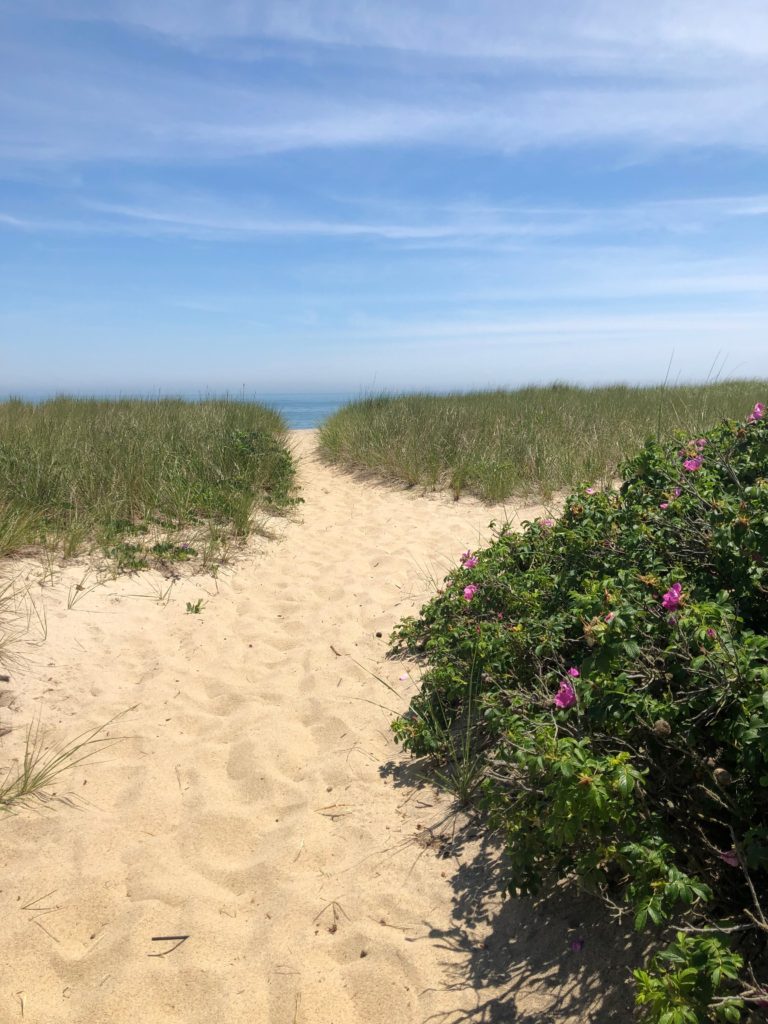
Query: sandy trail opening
point(249, 806)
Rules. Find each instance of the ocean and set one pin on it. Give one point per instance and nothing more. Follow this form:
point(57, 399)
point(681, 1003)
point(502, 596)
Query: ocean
point(303, 411)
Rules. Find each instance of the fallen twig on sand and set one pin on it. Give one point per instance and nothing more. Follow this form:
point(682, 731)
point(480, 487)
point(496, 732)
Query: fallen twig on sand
point(178, 940)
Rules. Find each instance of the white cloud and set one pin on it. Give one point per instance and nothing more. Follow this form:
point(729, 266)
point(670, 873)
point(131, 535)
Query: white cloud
point(587, 33)
point(650, 76)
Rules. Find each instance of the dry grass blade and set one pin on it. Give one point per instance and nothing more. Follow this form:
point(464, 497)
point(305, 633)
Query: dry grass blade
point(31, 779)
point(22, 621)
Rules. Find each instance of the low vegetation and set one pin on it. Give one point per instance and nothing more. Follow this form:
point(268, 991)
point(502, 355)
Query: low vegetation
point(35, 777)
point(534, 441)
point(147, 481)
point(598, 685)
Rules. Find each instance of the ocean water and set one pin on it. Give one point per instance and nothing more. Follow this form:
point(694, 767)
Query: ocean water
point(300, 410)
point(303, 411)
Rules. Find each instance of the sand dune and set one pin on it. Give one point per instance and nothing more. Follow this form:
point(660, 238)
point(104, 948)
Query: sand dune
point(250, 806)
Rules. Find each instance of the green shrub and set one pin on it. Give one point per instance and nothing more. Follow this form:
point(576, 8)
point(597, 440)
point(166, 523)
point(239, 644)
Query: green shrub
point(612, 671)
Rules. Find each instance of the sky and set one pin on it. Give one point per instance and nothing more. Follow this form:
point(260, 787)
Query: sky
point(327, 195)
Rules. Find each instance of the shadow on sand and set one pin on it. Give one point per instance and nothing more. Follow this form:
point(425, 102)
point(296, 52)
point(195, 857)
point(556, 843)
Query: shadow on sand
point(551, 960)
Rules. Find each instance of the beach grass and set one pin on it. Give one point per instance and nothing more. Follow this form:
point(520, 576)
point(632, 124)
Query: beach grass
point(137, 478)
point(530, 442)
point(31, 777)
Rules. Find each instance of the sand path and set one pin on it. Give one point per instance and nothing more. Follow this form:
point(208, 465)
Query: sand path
point(248, 808)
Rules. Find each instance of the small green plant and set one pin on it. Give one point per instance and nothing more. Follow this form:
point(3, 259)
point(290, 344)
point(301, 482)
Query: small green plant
point(128, 557)
point(194, 608)
point(614, 667)
point(167, 551)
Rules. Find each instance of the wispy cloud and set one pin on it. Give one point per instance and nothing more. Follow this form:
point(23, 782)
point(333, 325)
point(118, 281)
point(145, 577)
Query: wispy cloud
point(208, 215)
point(638, 75)
point(592, 33)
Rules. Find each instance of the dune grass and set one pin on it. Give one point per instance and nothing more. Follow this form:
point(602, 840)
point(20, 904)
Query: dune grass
point(127, 475)
point(524, 443)
point(31, 777)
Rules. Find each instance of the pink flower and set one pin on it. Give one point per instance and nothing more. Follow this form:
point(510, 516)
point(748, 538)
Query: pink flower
point(547, 522)
point(566, 695)
point(470, 591)
point(468, 560)
point(590, 490)
point(671, 600)
point(610, 617)
point(574, 673)
point(691, 465)
point(700, 442)
point(757, 413)
point(677, 492)
point(664, 505)
point(711, 634)
point(730, 857)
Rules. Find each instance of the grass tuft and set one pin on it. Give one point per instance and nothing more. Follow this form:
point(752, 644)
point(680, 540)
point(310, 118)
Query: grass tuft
point(529, 442)
point(30, 779)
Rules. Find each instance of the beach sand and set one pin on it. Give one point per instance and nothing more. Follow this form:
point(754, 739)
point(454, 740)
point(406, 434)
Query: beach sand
point(258, 804)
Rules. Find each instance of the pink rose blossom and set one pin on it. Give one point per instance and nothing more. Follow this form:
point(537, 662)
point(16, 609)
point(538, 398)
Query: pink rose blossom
point(566, 695)
point(711, 634)
point(468, 560)
point(574, 673)
point(691, 465)
point(700, 442)
point(547, 522)
point(590, 490)
point(677, 492)
point(470, 591)
point(757, 413)
point(610, 617)
point(664, 505)
point(730, 857)
point(671, 600)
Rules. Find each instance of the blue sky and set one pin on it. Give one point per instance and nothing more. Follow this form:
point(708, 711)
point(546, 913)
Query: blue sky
point(348, 194)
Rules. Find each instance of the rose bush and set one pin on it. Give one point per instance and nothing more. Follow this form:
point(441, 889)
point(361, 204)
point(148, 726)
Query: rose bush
point(611, 671)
